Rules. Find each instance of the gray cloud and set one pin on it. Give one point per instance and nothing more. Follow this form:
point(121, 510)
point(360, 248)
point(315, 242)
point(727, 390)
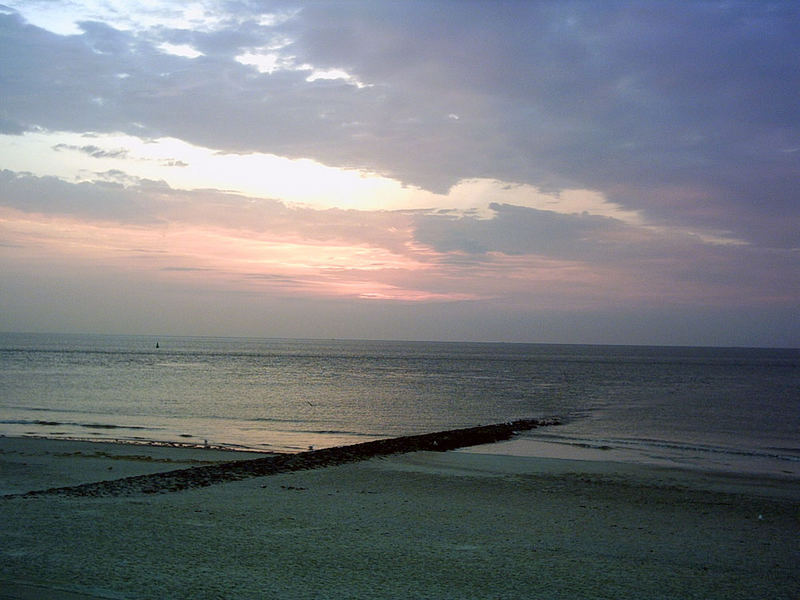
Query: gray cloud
point(98, 200)
point(623, 97)
point(518, 230)
point(685, 111)
point(8, 126)
point(93, 151)
point(667, 261)
point(117, 197)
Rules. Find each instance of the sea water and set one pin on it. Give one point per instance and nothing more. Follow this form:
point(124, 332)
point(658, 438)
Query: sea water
point(731, 408)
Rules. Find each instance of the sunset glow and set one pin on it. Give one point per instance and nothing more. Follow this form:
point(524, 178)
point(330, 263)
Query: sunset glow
point(208, 154)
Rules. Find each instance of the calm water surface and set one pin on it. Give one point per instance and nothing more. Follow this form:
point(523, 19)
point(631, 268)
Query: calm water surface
point(720, 407)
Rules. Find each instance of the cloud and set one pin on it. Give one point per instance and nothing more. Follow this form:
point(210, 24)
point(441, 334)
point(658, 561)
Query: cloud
point(639, 263)
point(94, 151)
point(573, 153)
point(126, 202)
point(68, 18)
point(89, 200)
point(8, 126)
point(622, 98)
point(517, 230)
point(519, 254)
point(184, 50)
point(621, 73)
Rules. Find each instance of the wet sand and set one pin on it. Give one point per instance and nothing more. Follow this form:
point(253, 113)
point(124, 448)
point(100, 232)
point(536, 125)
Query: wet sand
point(420, 525)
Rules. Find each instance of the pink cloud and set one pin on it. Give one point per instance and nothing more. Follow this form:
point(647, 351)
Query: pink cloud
point(522, 258)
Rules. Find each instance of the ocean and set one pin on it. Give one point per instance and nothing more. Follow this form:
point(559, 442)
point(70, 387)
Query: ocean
point(734, 409)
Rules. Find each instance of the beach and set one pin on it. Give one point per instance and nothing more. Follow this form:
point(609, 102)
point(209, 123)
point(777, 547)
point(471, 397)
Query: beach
point(425, 524)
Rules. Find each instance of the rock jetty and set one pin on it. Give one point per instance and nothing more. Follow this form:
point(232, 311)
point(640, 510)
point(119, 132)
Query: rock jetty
point(195, 477)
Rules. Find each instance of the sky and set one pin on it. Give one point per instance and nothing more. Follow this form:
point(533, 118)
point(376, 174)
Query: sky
point(619, 172)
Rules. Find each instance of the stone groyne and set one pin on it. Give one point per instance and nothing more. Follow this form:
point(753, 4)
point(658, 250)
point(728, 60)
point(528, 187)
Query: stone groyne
point(195, 477)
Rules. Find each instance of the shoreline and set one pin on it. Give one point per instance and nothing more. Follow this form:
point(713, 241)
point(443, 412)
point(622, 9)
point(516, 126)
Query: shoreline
point(146, 443)
point(426, 524)
point(29, 464)
point(540, 442)
point(713, 462)
point(36, 466)
point(564, 441)
point(214, 474)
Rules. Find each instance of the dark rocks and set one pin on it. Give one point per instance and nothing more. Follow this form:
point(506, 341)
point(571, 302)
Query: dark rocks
point(173, 481)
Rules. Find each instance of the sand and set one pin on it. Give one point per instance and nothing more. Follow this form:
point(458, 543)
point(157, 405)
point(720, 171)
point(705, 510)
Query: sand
point(421, 525)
